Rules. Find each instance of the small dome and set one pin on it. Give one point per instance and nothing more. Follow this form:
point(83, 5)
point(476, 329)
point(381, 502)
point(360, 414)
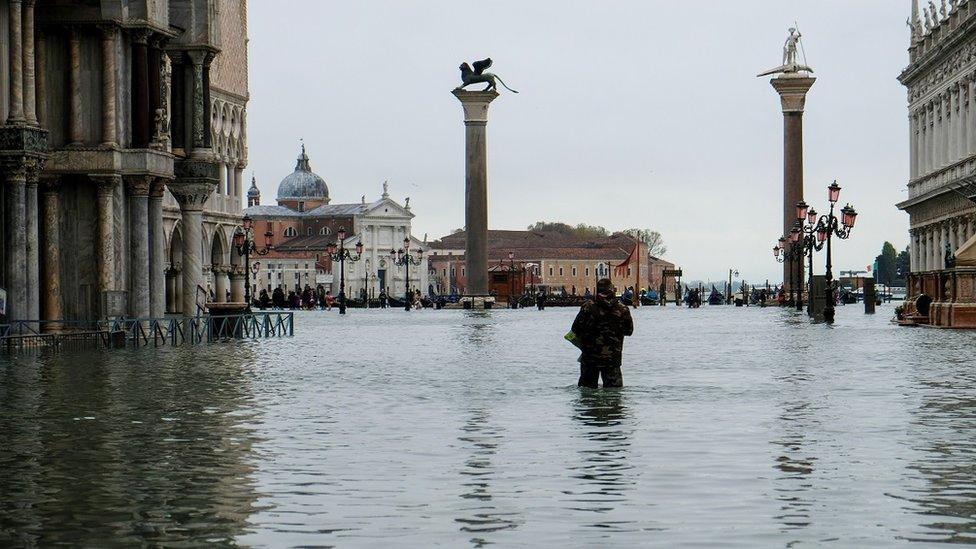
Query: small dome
point(302, 184)
point(254, 192)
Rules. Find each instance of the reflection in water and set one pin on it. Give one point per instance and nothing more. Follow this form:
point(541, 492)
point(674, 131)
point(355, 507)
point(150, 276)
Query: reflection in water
point(944, 429)
point(794, 464)
point(115, 450)
point(482, 440)
point(604, 467)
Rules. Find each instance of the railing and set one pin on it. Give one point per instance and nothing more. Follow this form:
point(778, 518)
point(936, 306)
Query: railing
point(140, 332)
point(201, 305)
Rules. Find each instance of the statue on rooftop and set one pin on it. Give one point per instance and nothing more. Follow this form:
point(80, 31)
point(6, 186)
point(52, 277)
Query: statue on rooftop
point(790, 64)
point(478, 74)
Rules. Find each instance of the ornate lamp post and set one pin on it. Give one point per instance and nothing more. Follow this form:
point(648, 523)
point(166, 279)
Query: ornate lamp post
point(244, 243)
point(782, 253)
point(338, 252)
point(405, 258)
point(812, 242)
point(827, 227)
point(728, 291)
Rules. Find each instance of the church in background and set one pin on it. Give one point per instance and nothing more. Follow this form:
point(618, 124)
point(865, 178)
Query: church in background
point(303, 223)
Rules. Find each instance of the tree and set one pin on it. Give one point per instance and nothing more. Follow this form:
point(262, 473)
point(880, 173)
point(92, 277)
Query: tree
point(580, 231)
point(903, 266)
point(651, 239)
point(887, 265)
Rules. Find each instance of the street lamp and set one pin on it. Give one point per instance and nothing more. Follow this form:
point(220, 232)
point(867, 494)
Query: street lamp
point(728, 291)
point(244, 243)
point(827, 227)
point(789, 254)
point(405, 258)
point(338, 252)
point(512, 303)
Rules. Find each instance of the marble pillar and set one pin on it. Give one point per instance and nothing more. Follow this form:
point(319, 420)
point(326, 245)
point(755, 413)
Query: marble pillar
point(53, 307)
point(191, 198)
point(139, 291)
point(16, 38)
point(75, 135)
point(912, 146)
point(237, 284)
point(792, 89)
point(40, 83)
point(223, 177)
point(105, 243)
point(198, 121)
point(109, 131)
point(220, 283)
point(171, 301)
point(16, 246)
point(239, 180)
point(157, 251)
point(30, 91)
point(475, 106)
point(33, 253)
point(141, 132)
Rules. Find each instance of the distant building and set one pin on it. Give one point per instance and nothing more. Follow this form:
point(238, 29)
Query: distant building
point(941, 82)
point(551, 262)
point(304, 222)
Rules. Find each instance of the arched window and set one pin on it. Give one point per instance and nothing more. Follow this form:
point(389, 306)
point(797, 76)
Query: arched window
point(324, 231)
point(290, 231)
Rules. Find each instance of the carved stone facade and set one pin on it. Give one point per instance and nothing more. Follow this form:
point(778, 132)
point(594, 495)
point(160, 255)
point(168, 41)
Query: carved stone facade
point(115, 109)
point(941, 84)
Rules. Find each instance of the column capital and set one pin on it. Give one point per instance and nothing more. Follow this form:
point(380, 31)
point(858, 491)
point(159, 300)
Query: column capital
point(792, 91)
point(109, 31)
point(475, 105)
point(50, 183)
point(138, 185)
point(140, 36)
point(191, 196)
point(106, 183)
point(157, 187)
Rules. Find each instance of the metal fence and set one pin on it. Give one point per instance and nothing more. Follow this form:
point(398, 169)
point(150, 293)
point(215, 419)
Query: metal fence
point(139, 332)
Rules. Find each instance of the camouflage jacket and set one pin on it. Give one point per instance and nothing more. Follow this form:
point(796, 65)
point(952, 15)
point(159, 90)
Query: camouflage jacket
point(601, 326)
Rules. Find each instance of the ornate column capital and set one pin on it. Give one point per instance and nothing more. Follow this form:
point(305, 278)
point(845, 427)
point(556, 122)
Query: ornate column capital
point(792, 91)
point(106, 183)
point(138, 185)
point(191, 196)
point(157, 188)
point(140, 36)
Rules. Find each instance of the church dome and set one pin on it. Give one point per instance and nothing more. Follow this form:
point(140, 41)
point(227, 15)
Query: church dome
point(302, 184)
point(254, 192)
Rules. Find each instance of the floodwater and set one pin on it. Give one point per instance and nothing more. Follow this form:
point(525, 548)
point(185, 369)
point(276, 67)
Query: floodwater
point(737, 427)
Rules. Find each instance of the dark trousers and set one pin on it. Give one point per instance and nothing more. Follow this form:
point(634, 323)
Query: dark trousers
point(590, 375)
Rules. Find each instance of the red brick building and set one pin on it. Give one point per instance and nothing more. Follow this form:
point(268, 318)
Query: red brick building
point(552, 262)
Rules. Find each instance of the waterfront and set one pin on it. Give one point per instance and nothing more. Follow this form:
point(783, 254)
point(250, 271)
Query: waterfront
point(744, 427)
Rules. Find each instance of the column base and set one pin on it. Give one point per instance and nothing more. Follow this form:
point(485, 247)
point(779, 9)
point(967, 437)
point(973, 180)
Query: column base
point(477, 302)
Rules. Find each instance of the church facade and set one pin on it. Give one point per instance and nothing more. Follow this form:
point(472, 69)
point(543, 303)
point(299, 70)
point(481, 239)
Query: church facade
point(304, 221)
point(941, 83)
point(122, 152)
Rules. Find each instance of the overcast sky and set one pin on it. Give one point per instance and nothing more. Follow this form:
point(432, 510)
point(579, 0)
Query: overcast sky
point(639, 113)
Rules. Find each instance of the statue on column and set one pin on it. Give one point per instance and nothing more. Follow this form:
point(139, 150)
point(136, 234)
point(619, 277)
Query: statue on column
point(478, 75)
point(790, 64)
point(950, 258)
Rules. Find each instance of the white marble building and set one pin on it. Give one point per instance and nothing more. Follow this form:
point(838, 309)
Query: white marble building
point(941, 83)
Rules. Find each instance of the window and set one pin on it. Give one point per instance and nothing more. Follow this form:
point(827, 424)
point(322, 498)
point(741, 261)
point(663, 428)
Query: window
point(324, 231)
point(308, 232)
point(290, 231)
point(301, 206)
point(587, 271)
point(574, 270)
point(550, 271)
point(628, 271)
point(560, 271)
point(445, 272)
point(462, 271)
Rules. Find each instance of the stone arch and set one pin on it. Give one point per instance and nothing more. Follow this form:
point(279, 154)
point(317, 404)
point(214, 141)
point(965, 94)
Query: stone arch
point(218, 247)
point(176, 245)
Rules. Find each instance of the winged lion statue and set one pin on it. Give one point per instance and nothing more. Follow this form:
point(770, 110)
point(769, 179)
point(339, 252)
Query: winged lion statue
point(473, 76)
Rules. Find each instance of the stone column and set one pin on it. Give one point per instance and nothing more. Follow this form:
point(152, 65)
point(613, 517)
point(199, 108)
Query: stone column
point(912, 149)
point(52, 252)
point(971, 115)
point(157, 251)
point(139, 245)
point(41, 80)
point(929, 136)
point(75, 135)
point(171, 302)
point(33, 253)
point(16, 114)
point(237, 284)
point(239, 181)
point(792, 89)
point(220, 283)
point(197, 119)
point(30, 91)
point(223, 176)
point(109, 136)
point(963, 149)
point(191, 197)
point(141, 132)
point(16, 246)
point(912, 250)
point(105, 243)
point(475, 105)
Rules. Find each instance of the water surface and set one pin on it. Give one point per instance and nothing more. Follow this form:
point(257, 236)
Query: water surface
point(739, 427)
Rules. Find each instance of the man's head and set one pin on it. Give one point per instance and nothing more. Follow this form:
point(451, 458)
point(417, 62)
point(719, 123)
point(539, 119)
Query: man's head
point(604, 287)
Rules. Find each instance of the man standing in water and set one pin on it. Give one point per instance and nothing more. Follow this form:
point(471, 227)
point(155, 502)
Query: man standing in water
point(600, 327)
